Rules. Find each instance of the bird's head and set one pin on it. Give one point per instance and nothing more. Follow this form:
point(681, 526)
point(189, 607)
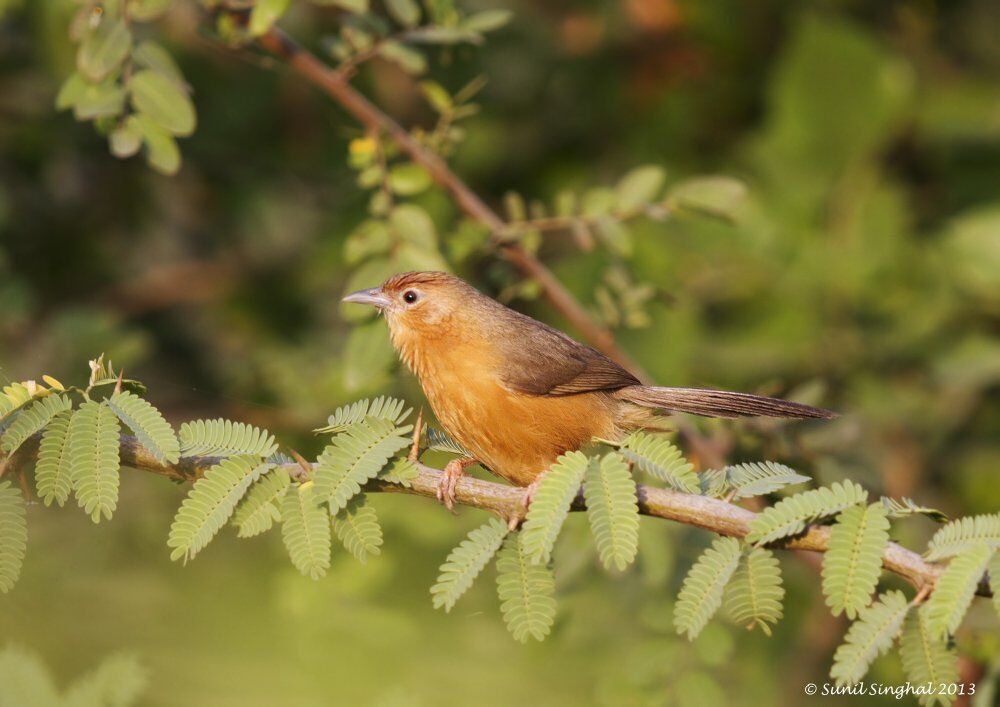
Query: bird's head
point(418, 303)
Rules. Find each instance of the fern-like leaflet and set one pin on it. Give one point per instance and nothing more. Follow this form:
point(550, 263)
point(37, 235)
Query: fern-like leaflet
point(383, 408)
point(657, 456)
point(955, 588)
point(224, 438)
point(908, 507)
point(92, 448)
point(210, 503)
point(357, 527)
point(958, 535)
point(853, 559)
point(355, 456)
point(13, 534)
point(305, 528)
point(759, 478)
point(147, 424)
point(703, 587)
point(261, 506)
point(868, 637)
point(754, 594)
point(926, 659)
point(548, 510)
point(31, 420)
point(791, 515)
point(400, 471)
point(53, 477)
point(526, 592)
point(466, 561)
point(441, 441)
point(613, 510)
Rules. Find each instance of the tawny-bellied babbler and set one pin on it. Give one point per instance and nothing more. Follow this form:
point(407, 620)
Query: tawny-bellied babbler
point(516, 393)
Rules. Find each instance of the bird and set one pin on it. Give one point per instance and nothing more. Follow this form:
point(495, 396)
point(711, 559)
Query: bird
point(517, 393)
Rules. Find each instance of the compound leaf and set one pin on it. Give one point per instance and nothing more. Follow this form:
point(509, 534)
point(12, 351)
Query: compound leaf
point(657, 456)
point(955, 588)
point(754, 594)
point(703, 587)
point(224, 438)
point(853, 560)
point(466, 561)
point(261, 506)
point(868, 637)
point(927, 659)
point(613, 510)
point(305, 528)
point(791, 515)
point(550, 506)
point(147, 424)
point(357, 527)
point(526, 592)
point(92, 448)
point(13, 534)
point(962, 533)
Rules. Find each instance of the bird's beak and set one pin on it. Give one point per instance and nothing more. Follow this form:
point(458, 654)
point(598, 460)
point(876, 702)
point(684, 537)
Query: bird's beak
point(375, 297)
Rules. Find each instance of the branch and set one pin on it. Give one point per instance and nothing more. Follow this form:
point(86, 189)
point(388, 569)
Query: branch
point(336, 85)
point(696, 511)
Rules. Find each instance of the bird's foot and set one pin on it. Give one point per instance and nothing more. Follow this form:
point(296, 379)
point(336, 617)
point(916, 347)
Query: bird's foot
point(453, 471)
point(529, 495)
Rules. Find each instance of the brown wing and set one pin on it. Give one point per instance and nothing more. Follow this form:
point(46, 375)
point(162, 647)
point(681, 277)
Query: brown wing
point(544, 361)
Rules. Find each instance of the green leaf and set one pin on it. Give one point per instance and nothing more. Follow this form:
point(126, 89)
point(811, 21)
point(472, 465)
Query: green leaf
point(400, 471)
point(405, 12)
point(92, 448)
point(639, 187)
point(657, 456)
point(53, 471)
point(357, 527)
point(161, 148)
point(907, 507)
point(613, 510)
point(382, 407)
point(71, 91)
point(224, 438)
point(99, 100)
point(526, 592)
point(103, 49)
point(152, 56)
point(444, 35)
point(305, 528)
point(265, 13)
point(261, 506)
point(962, 533)
point(927, 659)
point(702, 591)
point(466, 561)
point(759, 478)
point(117, 682)
point(550, 506)
point(355, 456)
point(32, 420)
point(853, 560)
point(614, 235)
point(487, 20)
point(408, 179)
point(720, 197)
point(409, 60)
point(955, 588)
point(868, 637)
point(147, 424)
point(210, 503)
point(13, 535)
point(754, 594)
point(159, 98)
point(791, 515)
point(412, 224)
point(126, 139)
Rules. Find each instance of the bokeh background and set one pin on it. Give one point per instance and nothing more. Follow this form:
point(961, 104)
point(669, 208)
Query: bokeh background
point(863, 274)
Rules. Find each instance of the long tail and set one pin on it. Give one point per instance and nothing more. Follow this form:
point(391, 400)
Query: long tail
point(717, 403)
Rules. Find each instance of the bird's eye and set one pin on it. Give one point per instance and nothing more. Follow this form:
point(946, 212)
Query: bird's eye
point(409, 296)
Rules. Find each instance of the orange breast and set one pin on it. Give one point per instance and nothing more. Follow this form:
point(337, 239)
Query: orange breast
point(516, 436)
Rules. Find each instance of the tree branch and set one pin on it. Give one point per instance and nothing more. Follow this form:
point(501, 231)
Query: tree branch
point(697, 511)
point(335, 85)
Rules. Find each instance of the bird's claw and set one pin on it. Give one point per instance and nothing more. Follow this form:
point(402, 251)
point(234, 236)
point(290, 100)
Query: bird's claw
point(529, 495)
point(453, 471)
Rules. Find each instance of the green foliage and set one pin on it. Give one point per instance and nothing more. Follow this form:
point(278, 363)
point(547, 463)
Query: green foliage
point(701, 594)
point(210, 503)
point(466, 561)
point(868, 637)
point(31, 420)
point(224, 438)
point(92, 451)
point(853, 560)
point(639, 187)
point(907, 507)
point(441, 441)
point(613, 510)
point(13, 535)
point(305, 528)
point(557, 488)
point(357, 527)
point(717, 196)
point(791, 515)
point(526, 592)
point(962, 534)
point(261, 506)
point(657, 456)
point(53, 471)
point(955, 588)
point(148, 425)
point(356, 455)
point(119, 681)
point(757, 478)
point(927, 659)
point(383, 408)
point(754, 595)
point(24, 680)
point(400, 471)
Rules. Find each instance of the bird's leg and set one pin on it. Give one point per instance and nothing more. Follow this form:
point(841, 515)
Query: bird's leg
point(529, 495)
point(453, 471)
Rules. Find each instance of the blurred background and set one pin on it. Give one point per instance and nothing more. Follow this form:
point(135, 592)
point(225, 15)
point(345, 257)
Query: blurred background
point(863, 274)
